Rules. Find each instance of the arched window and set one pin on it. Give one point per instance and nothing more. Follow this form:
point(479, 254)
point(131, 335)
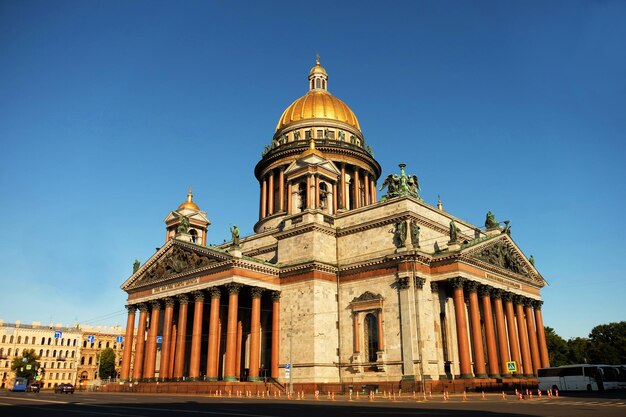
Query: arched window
point(17, 352)
point(302, 196)
point(26, 340)
point(54, 353)
point(74, 342)
point(73, 354)
point(317, 83)
point(40, 353)
point(82, 360)
point(51, 365)
point(43, 340)
point(65, 365)
point(323, 196)
point(1, 352)
point(19, 340)
point(90, 360)
point(100, 345)
point(85, 344)
point(194, 235)
point(371, 337)
point(49, 341)
point(47, 352)
point(9, 352)
point(11, 339)
point(4, 338)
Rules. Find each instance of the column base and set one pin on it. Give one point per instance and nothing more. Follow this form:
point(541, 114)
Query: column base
point(254, 379)
point(529, 376)
point(466, 376)
point(482, 376)
point(495, 376)
point(231, 379)
point(211, 378)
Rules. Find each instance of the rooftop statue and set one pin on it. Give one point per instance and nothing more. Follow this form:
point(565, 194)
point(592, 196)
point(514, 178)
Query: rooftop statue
point(401, 185)
point(183, 227)
point(234, 231)
point(454, 236)
point(491, 222)
point(136, 265)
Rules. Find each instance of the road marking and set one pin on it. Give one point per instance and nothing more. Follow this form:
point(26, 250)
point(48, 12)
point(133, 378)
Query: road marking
point(36, 400)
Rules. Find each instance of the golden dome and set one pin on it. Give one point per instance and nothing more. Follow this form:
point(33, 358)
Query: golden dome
point(317, 68)
point(318, 104)
point(189, 204)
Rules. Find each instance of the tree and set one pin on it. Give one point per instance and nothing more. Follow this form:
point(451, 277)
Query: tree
point(557, 347)
point(578, 350)
point(608, 343)
point(26, 366)
point(107, 364)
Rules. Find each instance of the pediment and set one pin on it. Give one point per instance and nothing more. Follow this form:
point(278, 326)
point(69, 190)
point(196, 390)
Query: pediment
point(503, 253)
point(313, 160)
point(173, 260)
point(367, 296)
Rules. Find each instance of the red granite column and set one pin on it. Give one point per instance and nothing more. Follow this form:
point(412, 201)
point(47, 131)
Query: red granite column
point(164, 368)
point(480, 370)
point(263, 197)
point(490, 334)
point(373, 188)
point(523, 337)
point(151, 344)
point(289, 198)
point(128, 342)
point(255, 335)
point(343, 186)
point(503, 345)
point(212, 359)
point(309, 195)
point(270, 194)
point(512, 330)
point(141, 342)
point(170, 366)
point(366, 183)
point(239, 345)
point(532, 335)
point(275, 334)
point(317, 191)
point(281, 189)
point(231, 332)
point(196, 335)
point(179, 361)
point(541, 335)
point(357, 188)
point(335, 194)
point(461, 327)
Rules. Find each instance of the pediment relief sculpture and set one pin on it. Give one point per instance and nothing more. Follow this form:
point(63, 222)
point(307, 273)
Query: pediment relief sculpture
point(501, 255)
point(174, 262)
point(367, 296)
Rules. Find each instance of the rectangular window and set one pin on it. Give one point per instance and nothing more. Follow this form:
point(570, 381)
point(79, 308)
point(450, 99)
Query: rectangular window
point(331, 134)
point(320, 134)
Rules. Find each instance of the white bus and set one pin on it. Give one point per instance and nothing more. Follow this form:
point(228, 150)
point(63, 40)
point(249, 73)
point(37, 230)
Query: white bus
point(571, 378)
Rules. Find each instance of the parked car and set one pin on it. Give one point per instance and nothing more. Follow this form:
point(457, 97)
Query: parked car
point(34, 387)
point(64, 389)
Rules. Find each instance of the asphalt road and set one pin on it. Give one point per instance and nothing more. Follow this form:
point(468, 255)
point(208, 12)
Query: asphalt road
point(116, 404)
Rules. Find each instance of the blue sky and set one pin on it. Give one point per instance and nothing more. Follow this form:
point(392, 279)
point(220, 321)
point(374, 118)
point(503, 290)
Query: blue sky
point(111, 109)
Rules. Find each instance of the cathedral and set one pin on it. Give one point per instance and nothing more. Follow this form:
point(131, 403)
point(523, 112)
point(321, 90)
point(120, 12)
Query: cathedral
point(337, 285)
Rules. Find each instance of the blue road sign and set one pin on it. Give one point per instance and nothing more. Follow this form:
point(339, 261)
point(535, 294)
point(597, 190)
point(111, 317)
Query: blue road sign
point(58, 335)
point(159, 339)
point(287, 366)
point(119, 339)
point(511, 366)
point(91, 338)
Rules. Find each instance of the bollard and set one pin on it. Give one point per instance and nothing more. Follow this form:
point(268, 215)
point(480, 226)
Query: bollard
point(539, 393)
point(394, 396)
point(414, 394)
point(332, 397)
point(464, 395)
point(430, 395)
point(424, 396)
point(556, 391)
point(503, 395)
point(350, 399)
point(483, 395)
point(357, 395)
point(549, 393)
point(530, 395)
point(520, 396)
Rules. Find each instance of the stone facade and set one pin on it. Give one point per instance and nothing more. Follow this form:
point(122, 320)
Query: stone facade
point(336, 285)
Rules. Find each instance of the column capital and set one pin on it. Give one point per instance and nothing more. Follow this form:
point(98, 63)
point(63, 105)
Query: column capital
point(143, 307)
point(197, 295)
point(183, 299)
point(496, 293)
point(537, 304)
point(169, 301)
point(457, 282)
point(275, 296)
point(233, 287)
point(485, 290)
point(507, 297)
point(215, 292)
point(403, 283)
point(419, 282)
point(155, 304)
point(131, 308)
point(519, 299)
point(256, 292)
point(472, 286)
point(528, 302)
point(434, 286)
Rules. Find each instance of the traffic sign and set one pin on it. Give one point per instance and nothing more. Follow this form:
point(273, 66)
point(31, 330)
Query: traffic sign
point(511, 366)
point(58, 334)
point(119, 339)
point(91, 338)
point(287, 366)
point(159, 339)
point(29, 367)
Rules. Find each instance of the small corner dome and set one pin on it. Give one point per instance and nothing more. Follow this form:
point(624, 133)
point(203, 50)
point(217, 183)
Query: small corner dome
point(189, 204)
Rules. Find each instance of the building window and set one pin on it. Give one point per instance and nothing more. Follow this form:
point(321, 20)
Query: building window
point(11, 339)
point(371, 337)
point(54, 353)
point(17, 352)
point(317, 83)
point(4, 338)
point(90, 359)
point(40, 353)
point(49, 341)
point(320, 134)
point(47, 352)
point(82, 360)
point(43, 340)
point(194, 235)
